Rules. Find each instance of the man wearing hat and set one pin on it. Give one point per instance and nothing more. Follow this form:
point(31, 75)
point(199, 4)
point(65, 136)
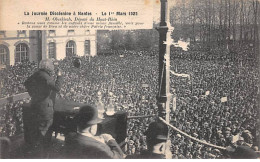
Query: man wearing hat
point(85, 143)
point(248, 138)
point(157, 145)
point(241, 152)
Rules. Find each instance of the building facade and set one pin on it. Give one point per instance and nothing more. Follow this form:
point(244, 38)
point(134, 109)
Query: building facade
point(24, 45)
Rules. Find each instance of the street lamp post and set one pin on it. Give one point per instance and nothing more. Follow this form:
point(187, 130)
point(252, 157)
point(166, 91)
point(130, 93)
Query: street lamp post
point(163, 97)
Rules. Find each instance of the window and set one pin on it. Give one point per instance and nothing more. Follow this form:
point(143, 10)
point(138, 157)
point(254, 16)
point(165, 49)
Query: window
point(2, 33)
point(70, 48)
point(4, 55)
point(87, 32)
point(21, 33)
point(21, 52)
point(52, 33)
point(87, 47)
point(71, 32)
point(52, 50)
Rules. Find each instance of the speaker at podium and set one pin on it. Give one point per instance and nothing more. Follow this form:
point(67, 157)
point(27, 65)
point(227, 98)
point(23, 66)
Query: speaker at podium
point(64, 120)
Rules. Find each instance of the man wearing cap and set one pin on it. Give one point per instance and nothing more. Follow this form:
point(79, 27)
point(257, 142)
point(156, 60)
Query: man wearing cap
point(158, 147)
point(85, 143)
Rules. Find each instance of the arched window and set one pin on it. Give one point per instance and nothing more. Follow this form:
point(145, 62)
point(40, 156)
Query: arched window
point(4, 55)
point(52, 50)
point(21, 52)
point(70, 48)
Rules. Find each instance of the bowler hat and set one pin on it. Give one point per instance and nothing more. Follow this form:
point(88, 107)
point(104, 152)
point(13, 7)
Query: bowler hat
point(244, 152)
point(157, 130)
point(87, 116)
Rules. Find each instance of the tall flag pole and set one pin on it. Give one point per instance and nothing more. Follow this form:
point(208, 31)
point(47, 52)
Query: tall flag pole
point(164, 96)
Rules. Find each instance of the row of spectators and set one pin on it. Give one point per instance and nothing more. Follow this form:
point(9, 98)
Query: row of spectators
point(200, 114)
point(236, 53)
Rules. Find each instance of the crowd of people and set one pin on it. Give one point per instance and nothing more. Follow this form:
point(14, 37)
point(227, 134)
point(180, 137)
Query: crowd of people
point(152, 52)
point(11, 83)
point(13, 77)
point(217, 102)
point(220, 100)
point(11, 119)
point(242, 53)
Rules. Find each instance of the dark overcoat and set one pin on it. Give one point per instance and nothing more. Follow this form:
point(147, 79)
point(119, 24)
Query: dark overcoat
point(78, 146)
point(42, 89)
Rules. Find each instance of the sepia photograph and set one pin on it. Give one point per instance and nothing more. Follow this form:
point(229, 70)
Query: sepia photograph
point(141, 79)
